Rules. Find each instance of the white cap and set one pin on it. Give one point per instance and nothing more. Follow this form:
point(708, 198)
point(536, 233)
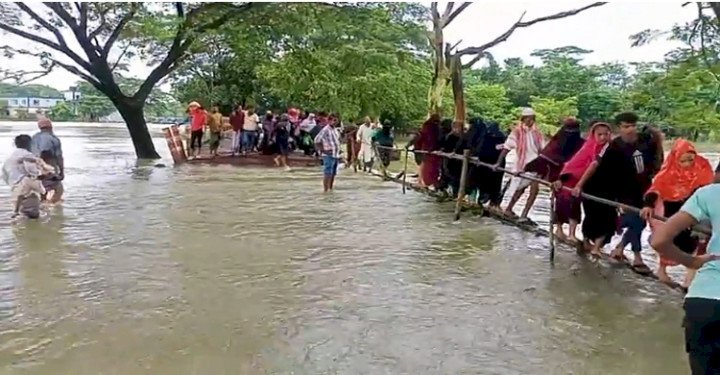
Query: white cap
point(527, 112)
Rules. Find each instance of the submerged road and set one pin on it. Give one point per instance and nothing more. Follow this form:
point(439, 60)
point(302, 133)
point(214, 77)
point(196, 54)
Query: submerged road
point(214, 270)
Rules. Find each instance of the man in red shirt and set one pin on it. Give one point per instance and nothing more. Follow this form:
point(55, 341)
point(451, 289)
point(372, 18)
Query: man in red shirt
point(237, 117)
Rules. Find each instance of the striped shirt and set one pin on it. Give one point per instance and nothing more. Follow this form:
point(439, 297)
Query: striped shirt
point(329, 140)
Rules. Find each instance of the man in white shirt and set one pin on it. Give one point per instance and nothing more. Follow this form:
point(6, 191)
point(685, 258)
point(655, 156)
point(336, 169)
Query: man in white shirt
point(250, 132)
point(527, 141)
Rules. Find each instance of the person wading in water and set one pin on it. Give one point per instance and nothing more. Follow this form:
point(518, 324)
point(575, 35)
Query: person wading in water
point(527, 140)
point(623, 172)
point(599, 224)
point(46, 141)
point(683, 172)
point(562, 146)
point(327, 142)
point(702, 301)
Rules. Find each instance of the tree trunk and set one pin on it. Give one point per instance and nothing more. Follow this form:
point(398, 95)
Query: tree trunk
point(437, 89)
point(134, 117)
point(457, 87)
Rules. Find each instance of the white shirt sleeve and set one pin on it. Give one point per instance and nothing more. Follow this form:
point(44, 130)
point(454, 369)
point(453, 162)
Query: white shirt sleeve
point(511, 141)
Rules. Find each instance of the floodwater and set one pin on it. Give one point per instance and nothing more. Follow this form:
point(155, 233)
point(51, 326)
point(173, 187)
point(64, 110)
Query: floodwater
point(215, 270)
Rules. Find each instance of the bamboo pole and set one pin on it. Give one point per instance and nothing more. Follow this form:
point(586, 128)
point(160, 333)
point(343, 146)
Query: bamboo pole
point(697, 228)
point(463, 183)
point(404, 181)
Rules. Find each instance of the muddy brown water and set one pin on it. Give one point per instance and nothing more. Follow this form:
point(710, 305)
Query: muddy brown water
point(218, 270)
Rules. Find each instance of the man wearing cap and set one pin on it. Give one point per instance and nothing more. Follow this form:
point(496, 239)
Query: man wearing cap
point(527, 141)
point(46, 142)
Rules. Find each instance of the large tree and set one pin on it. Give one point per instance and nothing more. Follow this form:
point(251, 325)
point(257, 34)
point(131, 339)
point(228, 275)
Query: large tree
point(447, 58)
point(95, 40)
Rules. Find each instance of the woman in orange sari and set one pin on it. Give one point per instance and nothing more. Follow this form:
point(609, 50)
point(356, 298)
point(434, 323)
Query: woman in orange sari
point(683, 172)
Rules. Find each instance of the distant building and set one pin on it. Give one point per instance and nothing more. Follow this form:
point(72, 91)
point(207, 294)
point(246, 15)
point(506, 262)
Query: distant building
point(28, 106)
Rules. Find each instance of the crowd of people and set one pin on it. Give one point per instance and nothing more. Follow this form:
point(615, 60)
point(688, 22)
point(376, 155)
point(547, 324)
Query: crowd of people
point(280, 134)
point(620, 162)
point(629, 168)
point(35, 170)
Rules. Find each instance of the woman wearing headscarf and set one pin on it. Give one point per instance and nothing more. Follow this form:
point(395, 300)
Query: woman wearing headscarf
point(488, 151)
point(429, 140)
point(470, 140)
point(599, 222)
point(451, 142)
point(385, 139)
point(683, 172)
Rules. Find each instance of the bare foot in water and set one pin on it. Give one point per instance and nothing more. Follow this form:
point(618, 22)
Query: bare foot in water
point(560, 235)
point(510, 214)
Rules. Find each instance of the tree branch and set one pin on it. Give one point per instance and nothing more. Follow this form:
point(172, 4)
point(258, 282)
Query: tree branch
point(122, 54)
point(18, 77)
point(83, 10)
point(457, 12)
point(103, 23)
point(118, 29)
point(46, 57)
point(456, 44)
point(180, 46)
point(43, 23)
point(448, 10)
point(475, 59)
point(520, 24)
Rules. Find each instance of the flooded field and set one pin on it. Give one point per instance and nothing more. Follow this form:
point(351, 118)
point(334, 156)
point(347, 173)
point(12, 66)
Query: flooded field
point(219, 270)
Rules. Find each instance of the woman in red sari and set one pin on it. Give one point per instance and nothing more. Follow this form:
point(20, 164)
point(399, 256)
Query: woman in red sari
point(429, 140)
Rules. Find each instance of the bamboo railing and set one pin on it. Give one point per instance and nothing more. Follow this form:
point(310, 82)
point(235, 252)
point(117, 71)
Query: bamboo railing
point(467, 160)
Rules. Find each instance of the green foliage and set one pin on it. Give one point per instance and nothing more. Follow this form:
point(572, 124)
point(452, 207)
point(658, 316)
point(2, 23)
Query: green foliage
point(354, 59)
point(550, 112)
point(488, 101)
point(8, 90)
point(62, 112)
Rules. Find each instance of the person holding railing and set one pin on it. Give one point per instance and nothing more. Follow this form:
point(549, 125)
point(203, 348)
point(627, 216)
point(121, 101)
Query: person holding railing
point(623, 172)
point(599, 223)
point(682, 173)
point(527, 141)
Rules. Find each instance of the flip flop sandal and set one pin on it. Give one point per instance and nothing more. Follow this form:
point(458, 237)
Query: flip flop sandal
point(527, 221)
point(641, 269)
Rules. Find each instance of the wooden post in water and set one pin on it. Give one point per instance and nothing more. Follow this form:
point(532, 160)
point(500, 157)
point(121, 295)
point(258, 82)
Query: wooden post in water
point(463, 182)
point(404, 182)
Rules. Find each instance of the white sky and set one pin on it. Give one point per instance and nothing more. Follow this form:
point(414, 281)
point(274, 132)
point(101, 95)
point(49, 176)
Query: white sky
point(604, 30)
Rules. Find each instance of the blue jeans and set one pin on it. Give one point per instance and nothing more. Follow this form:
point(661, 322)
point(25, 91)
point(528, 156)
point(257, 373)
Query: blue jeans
point(330, 165)
point(634, 225)
point(249, 139)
